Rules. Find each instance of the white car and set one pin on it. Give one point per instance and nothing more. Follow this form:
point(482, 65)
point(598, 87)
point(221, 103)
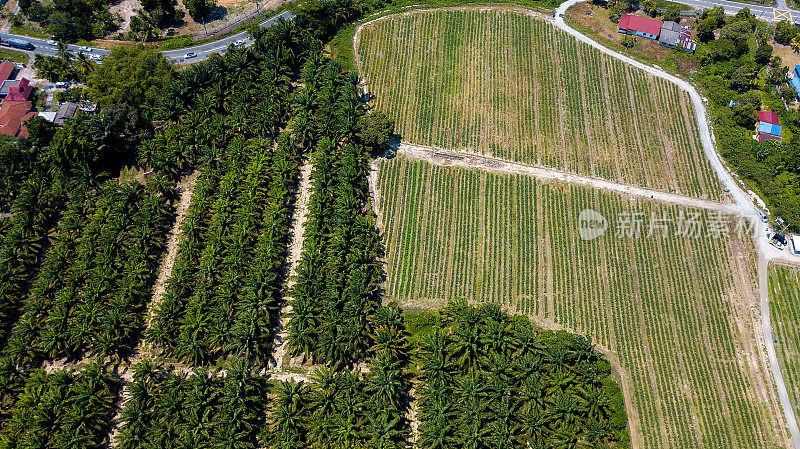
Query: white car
point(239, 43)
point(53, 43)
point(85, 48)
point(95, 57)
point(190, 55)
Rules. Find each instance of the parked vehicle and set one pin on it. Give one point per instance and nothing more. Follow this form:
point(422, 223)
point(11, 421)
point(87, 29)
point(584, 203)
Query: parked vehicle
point(190, 55)
point(22, 44)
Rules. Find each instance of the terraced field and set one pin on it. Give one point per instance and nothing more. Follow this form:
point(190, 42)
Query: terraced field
point(784, 306)
point(511, 85)
point(675, 309)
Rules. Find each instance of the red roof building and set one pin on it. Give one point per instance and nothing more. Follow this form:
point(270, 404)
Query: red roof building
point(763, 137)
point(639, 26)
point(12, 115)
point(6, 69)
point(20, 92)
point(768, 117)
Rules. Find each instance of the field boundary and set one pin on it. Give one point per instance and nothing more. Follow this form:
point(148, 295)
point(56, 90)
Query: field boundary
point(464, 159)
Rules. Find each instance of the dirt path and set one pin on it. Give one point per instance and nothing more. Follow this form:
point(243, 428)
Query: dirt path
point(186, 187)
point(465, 159)
point(296, 231)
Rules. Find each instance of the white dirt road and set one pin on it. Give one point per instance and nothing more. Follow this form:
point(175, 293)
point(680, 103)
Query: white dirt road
point(743, 202)
point(457, 158)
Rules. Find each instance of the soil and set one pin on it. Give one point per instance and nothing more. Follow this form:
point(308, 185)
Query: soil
point(296, 240)
point(126, 9)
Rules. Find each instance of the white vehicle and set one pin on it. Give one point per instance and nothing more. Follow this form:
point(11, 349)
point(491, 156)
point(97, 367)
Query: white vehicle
point(53, 43)
point(95, 57)
point(239, 43)
point(85, 48)
point(190, 55)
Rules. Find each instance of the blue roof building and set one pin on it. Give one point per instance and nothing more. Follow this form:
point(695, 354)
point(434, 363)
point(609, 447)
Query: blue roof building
point(769, 128)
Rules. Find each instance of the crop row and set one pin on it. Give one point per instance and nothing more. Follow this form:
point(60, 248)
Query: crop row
point(784, 295)
point(224, 293)
point(507, 84)
point(666, 304)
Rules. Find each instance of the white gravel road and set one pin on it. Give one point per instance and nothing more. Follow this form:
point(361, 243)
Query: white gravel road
point(744, 204)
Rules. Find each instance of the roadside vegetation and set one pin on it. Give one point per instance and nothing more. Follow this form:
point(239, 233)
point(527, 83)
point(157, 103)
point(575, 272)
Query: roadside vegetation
point(506, 84)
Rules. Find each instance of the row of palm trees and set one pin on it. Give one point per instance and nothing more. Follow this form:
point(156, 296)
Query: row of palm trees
point(342, 408)
point(60, 410)
point(223, 297)
point(492, 381)
point(208, 409)
point(93, 284)
point(339, 274)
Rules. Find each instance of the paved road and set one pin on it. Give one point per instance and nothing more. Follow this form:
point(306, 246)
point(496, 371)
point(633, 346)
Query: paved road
point(742, 200)
point(202, 51)
point(771, 13)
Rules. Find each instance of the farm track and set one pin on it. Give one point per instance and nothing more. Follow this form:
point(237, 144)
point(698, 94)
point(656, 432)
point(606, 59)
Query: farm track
point(455, 158)
point(296, 231)
point(743, 201)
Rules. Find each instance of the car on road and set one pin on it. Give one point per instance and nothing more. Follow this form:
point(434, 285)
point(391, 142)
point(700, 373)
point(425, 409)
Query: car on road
point(239, 43)
point(190, 55)
point(53, 43)
point(61, 85)
point(85, 48)
point(95, 57)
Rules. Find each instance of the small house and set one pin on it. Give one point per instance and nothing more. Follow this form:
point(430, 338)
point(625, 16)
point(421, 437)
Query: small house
point(12, 116)
point(65, 112)
point(20, 92)
point(639, 26)
point(769, 126)
point(672, 34)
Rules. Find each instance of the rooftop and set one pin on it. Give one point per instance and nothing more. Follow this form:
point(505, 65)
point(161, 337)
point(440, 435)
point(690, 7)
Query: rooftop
point(642, 24)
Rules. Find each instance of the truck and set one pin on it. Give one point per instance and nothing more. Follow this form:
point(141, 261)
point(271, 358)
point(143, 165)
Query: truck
point(22, 44)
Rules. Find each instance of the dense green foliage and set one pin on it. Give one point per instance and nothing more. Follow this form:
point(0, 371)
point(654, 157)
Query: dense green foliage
point(739, 79)
point(347, 408)
point(339, 273)
point(205, 409)
point(71, 19)
point(94, 282)
point(225, 288)
point(490, 380)
point(59, 410)
point(136, 76)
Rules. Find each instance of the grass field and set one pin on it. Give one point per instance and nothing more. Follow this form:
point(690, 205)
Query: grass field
point(784, 306)
point(676, 310)
point(514, 86)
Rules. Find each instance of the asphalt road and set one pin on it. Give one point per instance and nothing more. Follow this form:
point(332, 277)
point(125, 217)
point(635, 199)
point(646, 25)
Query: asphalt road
point(770, 13)
point(202, 51)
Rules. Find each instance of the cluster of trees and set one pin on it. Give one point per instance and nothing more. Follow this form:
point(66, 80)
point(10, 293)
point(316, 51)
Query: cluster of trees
point(246, 92)
point(739, 79)
point(70, 20)
point(59, 410)
point(490, 380)
point(208, 409)
point(341, 408)
point(339, 274)
point(225, 290)
point(94, 282)
point(64, 66)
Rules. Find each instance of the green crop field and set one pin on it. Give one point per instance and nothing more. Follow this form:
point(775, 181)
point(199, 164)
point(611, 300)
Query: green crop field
point(675, 309)
point(784, 307)
point(514, 86)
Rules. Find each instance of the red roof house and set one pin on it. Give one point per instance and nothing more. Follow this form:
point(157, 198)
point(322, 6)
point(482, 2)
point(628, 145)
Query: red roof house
point(12, 115)
point(768, 117)
point(639, 26)
point(20, 92)
point(6, 69)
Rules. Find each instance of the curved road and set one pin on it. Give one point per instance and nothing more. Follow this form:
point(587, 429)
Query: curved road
point(203, 51)
point(743, 202)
